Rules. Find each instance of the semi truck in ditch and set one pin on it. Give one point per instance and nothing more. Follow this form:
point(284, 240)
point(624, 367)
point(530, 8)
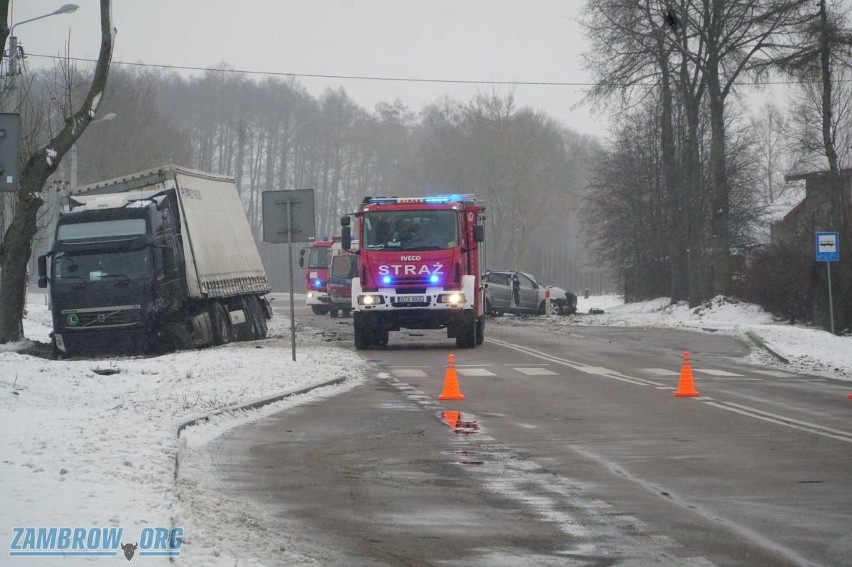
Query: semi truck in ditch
point(153, 261)
point(420, 266)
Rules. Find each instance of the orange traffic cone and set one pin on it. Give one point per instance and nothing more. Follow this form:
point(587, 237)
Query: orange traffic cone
point(451, 382)
point(686, 388)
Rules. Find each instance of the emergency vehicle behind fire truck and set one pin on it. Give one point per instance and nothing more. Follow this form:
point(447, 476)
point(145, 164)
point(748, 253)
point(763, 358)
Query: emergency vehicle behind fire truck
point(314, 260)
point(342, 268)
point(421, 262)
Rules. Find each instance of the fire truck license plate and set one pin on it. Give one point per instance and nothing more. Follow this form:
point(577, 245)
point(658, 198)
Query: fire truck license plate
point(410, 299)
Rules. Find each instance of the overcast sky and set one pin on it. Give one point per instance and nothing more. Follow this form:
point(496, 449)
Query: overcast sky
point(456, 40)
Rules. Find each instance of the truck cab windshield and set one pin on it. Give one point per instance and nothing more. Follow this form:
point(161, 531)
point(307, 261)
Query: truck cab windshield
point(74, 268)
point(410, 230)
point(318, 258)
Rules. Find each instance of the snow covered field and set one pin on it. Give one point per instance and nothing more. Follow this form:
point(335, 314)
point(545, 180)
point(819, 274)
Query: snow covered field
point(94, 443)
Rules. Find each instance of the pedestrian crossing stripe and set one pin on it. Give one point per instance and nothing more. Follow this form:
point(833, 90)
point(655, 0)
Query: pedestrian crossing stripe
point(710, 371)
point(776, 373)
point(713, 372)
point(409, 373)
point(474, 372)
point(467, 371)
point(535, 371)
point(659, 371)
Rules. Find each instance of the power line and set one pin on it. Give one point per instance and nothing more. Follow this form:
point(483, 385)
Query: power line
point(325, 76)
point(387, 79)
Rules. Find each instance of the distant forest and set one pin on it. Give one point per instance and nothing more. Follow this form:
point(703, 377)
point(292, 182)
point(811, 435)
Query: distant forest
point(273, 135)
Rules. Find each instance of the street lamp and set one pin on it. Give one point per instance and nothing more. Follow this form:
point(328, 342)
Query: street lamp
point(13, 40)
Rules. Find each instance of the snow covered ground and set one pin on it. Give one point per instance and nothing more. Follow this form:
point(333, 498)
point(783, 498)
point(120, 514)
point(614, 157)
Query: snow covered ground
point(94, 443)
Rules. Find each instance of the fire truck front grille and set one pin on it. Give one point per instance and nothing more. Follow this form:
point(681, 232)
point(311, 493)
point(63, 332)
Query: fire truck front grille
point(408, 282)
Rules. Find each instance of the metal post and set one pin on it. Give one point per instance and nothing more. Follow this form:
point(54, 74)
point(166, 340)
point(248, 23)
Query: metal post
point(830, 299)
point(290, 268)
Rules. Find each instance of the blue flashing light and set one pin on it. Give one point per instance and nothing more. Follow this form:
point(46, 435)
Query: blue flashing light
point(434, 278)
point(444, 199)
point(318, 283)
point(386, 280)
point(433, 199)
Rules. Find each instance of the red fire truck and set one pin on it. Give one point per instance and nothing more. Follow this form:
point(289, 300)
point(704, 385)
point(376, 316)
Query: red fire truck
point(420, 266)
point(314, 260)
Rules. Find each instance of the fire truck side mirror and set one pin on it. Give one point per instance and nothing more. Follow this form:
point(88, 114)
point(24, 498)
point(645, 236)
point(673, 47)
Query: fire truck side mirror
point(302, 258)
point(346, 237)
point(345, 220)
point(479, 233)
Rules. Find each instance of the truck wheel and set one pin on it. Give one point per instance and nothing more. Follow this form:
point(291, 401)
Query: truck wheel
point(221, 324)
point(363, 334)
point(382, 337)
point(466, 337)
point(255, 318)
point(480, 330)
point(333, 313)
point(320, 309)
point(260, 327)
point(347, 312)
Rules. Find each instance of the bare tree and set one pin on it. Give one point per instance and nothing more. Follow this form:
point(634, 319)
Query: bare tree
point(37, 169)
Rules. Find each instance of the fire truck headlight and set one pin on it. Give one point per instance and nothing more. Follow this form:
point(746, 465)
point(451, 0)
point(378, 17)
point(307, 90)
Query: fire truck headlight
point(453, 298)
point(370, 299)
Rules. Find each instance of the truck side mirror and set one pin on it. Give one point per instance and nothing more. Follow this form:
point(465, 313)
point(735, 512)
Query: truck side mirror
point(479, 233)
point(346, 236)
point(302, 258)
point(345, 220)
point(42, 271)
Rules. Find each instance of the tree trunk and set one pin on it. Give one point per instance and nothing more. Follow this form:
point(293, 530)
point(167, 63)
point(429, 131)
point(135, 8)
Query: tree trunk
point(17, 246)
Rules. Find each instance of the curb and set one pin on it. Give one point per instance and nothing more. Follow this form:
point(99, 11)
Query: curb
point(759, 342)
point(249, 406)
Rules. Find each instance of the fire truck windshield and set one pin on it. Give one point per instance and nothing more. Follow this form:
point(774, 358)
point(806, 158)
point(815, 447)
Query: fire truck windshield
point(318, 258)
point(410, 230)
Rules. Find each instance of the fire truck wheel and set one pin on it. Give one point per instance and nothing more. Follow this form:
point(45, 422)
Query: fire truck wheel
point(333, 313)
point(320, 309)
point(363, 334)
point(382, 337)
point(347, 312)
point(480, 330)
point(466, 332)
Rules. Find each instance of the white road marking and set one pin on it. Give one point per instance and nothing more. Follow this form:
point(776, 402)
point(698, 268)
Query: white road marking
point(713, 372)
point(475, 372)
point(536, 371)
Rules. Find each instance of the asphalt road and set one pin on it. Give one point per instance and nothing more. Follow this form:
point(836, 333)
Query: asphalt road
point(573, 451)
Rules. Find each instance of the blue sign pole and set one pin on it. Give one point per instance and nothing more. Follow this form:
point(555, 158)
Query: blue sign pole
point(828, 250)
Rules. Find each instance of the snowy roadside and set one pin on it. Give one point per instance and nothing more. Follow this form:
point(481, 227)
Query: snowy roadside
point(93, 443)
point(807, 350)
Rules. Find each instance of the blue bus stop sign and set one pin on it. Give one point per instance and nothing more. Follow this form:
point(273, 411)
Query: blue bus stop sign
point(827, 246)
